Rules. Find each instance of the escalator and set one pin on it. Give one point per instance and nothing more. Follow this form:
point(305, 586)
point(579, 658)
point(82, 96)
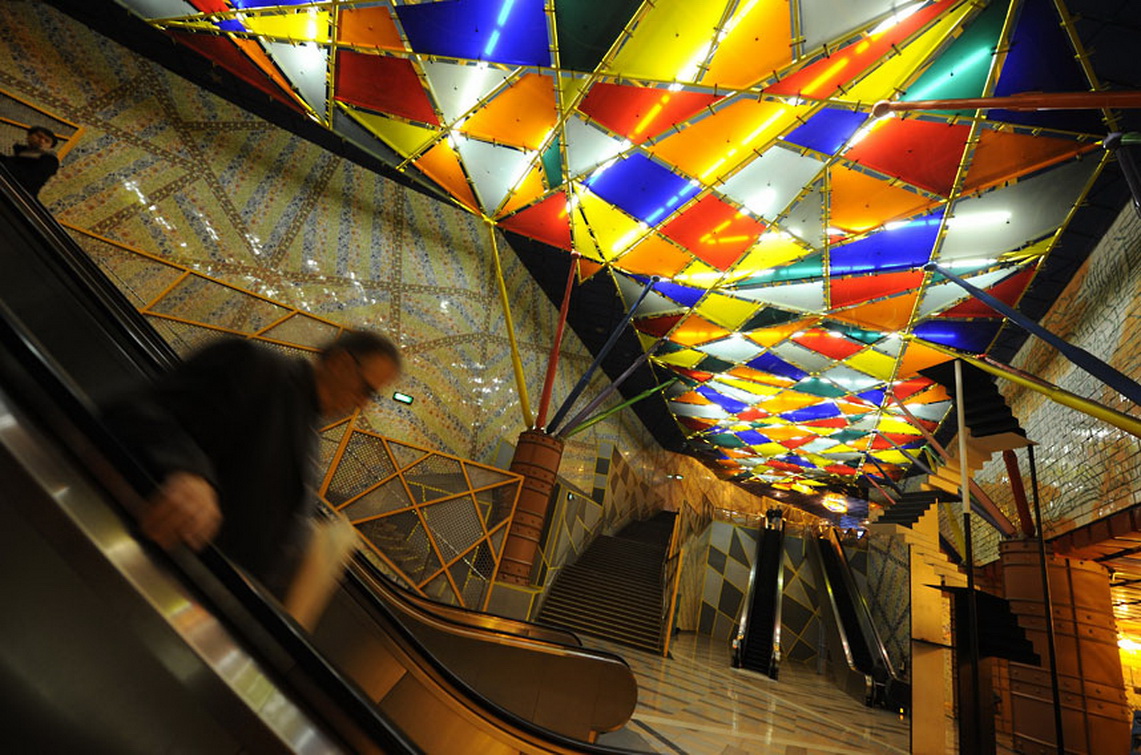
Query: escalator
point(857, 659)
point(757, 644)
point(109, 644)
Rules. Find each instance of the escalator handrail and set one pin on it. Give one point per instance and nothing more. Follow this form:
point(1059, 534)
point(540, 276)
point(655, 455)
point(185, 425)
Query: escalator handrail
point(380, 587)
point(465, 690)
point(458, 616)
point(833, 603)
point(125, 325)
point(872, 638)
point(57, 408)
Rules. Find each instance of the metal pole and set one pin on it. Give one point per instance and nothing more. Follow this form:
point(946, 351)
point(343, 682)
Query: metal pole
point(553, 358)
point(580, 386)
point(1048, 601)
point(516, 361)
point(1084, 360)
point(614, 410)
point(1021, 102)
point(972, 602)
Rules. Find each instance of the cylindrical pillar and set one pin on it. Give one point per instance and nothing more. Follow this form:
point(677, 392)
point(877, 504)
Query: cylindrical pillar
point(1096, 718)
point(537, 458)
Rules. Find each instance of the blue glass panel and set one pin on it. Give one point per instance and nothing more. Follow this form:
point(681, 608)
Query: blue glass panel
point(1041, 59)
point(794, 459)
point(232, 24)
point(827, 130)
point(503, 31)
point(811, 266)
point(771, 363)
point(752, 437)
point(684, 295)
point(240, 4)
point(826, 410)
point(973, 337)
point(873, 397)
point(728, 404)
point(642, 188)
point(900, 248)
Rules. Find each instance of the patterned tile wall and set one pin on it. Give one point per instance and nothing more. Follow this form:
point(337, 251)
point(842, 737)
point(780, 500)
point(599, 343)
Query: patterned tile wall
point(800, 610)
point(168, 168)
point(889, 596)
point(728, 563)
point(1086, 468)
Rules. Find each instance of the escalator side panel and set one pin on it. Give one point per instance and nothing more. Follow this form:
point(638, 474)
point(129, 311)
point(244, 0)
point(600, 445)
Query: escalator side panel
point(842, 668)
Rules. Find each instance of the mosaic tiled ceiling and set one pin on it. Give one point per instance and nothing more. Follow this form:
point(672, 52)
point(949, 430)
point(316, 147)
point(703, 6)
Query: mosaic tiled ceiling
point(724, 154)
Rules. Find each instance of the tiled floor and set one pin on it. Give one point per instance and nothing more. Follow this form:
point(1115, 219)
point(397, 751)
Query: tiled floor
point(695, 703)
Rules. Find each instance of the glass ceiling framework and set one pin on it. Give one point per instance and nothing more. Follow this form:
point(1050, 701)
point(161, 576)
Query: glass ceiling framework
point(727, 148)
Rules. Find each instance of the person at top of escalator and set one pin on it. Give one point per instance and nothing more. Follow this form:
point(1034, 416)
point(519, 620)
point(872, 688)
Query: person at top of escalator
point(230, 436)
point(34, 162)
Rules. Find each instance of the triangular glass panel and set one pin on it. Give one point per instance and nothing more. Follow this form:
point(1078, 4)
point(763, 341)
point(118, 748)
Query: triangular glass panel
point(458, 88)
point(405, 455)
point(482, 477)
point(306, 65)
point(454, 525)
point(588, 147)
point(388, 497)
point(435, 477)
point(493, 169)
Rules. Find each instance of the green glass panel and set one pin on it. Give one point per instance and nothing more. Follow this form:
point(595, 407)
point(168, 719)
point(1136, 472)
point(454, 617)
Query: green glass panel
point(961, 70)
point(713, 364)
point(727, 440)
point(768, 317)
point(553, 164)
point(588, 28)
point(811, 266)
point(817, 387)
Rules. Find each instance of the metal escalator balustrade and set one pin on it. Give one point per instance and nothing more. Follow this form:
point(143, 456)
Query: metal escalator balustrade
point(757, 644)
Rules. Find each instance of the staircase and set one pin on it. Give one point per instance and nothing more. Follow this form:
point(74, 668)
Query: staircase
point(614, 590)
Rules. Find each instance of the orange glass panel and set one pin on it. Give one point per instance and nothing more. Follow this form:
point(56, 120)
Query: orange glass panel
point(522, 115)
point(765, 378)
point(718, 143)
point(1003, 155)
point(693, 397)
point(918, 357)
point(697, 330)
point(757, 43)
point(587, 269)
point(861, 202)
point(889, 314)
point(368, 27)
point(654, 256)
point(442, 165)
point(527, 192)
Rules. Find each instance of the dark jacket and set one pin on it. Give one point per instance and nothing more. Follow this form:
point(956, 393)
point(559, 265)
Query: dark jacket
point(30, 167)
point(245, 418)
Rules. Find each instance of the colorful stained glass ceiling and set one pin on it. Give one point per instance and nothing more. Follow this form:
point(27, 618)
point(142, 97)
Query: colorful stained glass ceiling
point(723, 153)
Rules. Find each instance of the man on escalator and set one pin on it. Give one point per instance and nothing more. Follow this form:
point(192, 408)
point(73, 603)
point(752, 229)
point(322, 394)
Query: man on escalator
point(34, 162)
point(231, 436)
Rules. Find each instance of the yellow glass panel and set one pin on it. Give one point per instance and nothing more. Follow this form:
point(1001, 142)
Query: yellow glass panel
point(402, 137)
point(613, 230)
point(521, 115)
point(771, 449)
point(873, 363)
point(889, 424)
point(771, 250)
point(755, 42)
point(714, 146)
point(885, 79)
point(654, 255)
point(570, 87)
point(305, 26)
point(787, 402)
point(695, 330)
point(841, 449)
point(774, 335)
point(725, 310)
point(686, 358)
point(850, 407)
point(891, 457)
point(700, 275)
point(527, 192)
point(670, 41)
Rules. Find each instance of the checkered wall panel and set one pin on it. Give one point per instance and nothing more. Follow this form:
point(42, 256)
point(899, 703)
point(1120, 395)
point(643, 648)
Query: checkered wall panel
point(728, 562)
